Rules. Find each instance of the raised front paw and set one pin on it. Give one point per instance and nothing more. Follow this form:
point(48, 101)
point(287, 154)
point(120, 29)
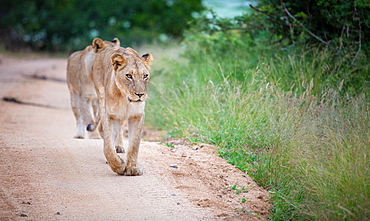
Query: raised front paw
point(117, 165)
point(133, 171)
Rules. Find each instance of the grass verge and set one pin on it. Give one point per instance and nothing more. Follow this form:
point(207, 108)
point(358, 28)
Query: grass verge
point(286, 120)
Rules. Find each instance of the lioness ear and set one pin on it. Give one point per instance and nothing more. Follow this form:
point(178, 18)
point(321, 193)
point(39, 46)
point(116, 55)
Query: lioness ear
point(116, 41)
point(118, 62)
point(98, 45)
point(147, 58)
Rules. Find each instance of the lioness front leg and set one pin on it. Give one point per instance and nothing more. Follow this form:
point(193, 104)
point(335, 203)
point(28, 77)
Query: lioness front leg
point(114, 161)
point(119, 138)
point(134, 135)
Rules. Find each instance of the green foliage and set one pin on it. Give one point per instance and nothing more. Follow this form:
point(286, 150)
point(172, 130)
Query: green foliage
point(309, 149)
point(336, 22)
point(239, 191)
point(169, 145)
point(340, 24)
point(282, 105)
point(297, 120)
point(327, 65)
point(71, 24)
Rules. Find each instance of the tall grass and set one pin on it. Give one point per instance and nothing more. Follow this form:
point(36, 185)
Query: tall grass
point(280, 118)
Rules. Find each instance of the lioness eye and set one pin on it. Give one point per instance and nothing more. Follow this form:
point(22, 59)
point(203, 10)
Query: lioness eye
point(129, 76)
point(146, 76)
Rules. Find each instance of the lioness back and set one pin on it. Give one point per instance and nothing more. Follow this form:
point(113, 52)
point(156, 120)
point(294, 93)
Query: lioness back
point(84, 100)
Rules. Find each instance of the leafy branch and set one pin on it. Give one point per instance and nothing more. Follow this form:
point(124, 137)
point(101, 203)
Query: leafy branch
point(308, 31)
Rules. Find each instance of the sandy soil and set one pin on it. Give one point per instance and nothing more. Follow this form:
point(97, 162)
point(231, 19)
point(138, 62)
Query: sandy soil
point(45, 174)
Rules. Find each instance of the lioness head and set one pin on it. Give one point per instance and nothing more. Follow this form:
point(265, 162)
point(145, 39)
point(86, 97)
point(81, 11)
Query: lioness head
point(132, 73)
point(99, 45)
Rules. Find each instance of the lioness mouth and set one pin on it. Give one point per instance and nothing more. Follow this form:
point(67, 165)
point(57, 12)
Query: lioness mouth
point(139, 100)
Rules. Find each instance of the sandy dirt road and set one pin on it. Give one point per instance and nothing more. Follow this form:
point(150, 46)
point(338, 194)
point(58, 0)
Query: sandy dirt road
point(45, 174)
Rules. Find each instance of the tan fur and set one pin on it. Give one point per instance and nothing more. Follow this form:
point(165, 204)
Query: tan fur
point(121, 77)
point(84, 100)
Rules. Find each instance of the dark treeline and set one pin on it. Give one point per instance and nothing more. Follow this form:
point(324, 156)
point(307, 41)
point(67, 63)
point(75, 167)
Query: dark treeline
point(71, 24)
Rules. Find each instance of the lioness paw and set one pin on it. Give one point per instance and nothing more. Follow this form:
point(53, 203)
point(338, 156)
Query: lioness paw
point(119, 171)
point(120, 149)
point(133, 171)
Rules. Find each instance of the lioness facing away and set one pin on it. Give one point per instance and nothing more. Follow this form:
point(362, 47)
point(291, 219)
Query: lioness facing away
point(121, 77)
point(84, 100)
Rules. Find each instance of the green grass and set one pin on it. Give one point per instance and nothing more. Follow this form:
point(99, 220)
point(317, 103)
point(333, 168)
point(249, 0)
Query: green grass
point(290, 120)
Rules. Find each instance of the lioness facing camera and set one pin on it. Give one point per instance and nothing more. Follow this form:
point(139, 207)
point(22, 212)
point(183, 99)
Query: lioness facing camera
point(121, 77)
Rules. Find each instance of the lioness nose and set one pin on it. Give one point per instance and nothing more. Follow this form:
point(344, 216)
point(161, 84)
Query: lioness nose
point(139, 94)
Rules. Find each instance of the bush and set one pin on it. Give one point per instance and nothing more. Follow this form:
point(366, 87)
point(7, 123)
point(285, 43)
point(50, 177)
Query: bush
point(295, 119)
point(308, 147)
point(344, 59)
point(72, 24)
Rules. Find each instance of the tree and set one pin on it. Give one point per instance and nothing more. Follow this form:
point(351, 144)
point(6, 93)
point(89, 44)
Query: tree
point(339, 23)
point(70, 24)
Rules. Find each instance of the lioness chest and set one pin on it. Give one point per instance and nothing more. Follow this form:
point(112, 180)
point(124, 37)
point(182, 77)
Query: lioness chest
point(120, 109)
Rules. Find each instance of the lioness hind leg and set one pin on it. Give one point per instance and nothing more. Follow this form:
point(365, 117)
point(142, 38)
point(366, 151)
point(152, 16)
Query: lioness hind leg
point(119, 130)
point(95, 106)
point(94, 135)
point(80, 134)
point(86, 109)
point(75, 103)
